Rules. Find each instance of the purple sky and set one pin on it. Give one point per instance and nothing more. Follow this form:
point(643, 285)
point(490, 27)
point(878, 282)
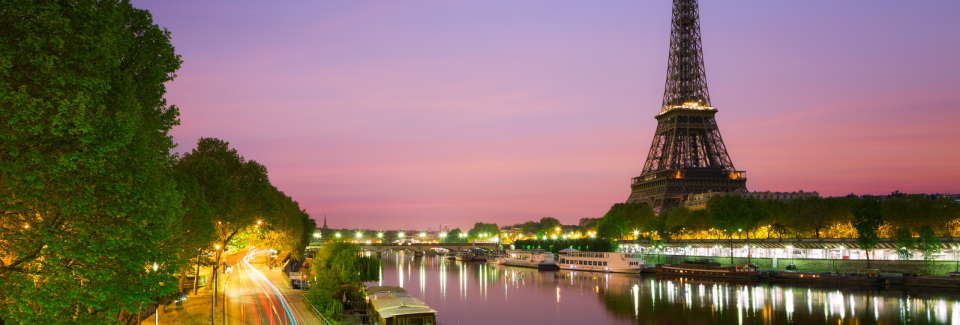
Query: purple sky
point(410, 114)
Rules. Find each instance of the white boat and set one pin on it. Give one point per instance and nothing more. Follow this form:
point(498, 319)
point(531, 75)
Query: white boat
point(571, 259)
point(536, 258)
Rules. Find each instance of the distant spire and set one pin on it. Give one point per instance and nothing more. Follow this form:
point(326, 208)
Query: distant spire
point(324, 221)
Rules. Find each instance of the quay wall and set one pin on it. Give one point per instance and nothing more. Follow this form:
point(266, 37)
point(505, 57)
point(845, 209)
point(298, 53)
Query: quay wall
point(885, 266)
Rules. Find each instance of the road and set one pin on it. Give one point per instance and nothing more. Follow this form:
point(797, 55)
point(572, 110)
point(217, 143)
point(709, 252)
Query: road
point(259, 296)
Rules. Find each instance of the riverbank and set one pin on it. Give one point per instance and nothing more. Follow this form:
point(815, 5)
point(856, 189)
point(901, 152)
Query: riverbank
point(885, 266)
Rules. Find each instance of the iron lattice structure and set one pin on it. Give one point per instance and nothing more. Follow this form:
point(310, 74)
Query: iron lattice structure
point(687, 155)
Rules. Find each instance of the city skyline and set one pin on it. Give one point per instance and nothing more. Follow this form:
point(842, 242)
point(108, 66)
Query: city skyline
point(403, 115)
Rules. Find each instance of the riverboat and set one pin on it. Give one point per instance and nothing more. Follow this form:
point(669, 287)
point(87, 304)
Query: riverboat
point(940, 281)
point(868, 277)
point(451, 254)
point(392, 305)
point(535, 258)
point(498, 259)
point(467, 256)
point(704, 268)
point(571, 259)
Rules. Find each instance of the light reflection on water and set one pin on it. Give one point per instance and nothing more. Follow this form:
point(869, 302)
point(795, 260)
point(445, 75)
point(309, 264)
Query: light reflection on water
point(564, 297)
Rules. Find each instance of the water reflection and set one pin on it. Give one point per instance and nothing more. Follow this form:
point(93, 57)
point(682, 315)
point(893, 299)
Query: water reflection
point(565, 297)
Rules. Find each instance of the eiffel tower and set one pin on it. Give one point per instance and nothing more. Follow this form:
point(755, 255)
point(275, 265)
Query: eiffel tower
point(687, 155)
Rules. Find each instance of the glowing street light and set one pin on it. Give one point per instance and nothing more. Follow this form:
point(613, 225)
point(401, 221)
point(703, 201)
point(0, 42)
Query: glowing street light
point(379, 235)
point(443, 235)
point(400, 234)
point(338, 235)
point(422, 235)
point(316, 235)
point(359, 234)
point(155, 266)
point(553, 236)
point(217, 246)
point(463, 235)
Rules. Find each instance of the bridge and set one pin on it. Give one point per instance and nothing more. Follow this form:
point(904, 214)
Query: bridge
point(419, 248)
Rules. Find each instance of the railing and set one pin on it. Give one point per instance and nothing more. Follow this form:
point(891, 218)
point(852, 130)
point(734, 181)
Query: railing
point(313, 309)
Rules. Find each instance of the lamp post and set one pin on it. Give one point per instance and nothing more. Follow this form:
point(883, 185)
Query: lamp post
point(213, 305)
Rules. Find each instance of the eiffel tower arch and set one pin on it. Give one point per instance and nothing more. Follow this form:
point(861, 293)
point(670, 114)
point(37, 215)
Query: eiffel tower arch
point(687, 155)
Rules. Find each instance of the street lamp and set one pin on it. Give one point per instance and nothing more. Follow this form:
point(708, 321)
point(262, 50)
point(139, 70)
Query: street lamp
point(316, 235)
point(379, 235)
point(553, 236)
point(443, 235)
point(338, 235)
point(359, 234)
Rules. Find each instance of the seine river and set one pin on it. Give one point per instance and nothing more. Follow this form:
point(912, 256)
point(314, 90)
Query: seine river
point(480, 293)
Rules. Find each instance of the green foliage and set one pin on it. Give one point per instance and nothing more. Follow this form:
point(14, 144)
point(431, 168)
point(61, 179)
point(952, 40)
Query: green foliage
point(480, 229)
point(913, 211)
point(624, 218)
point(335, 265)
point(550, 224)
point(84, 162)
point(555, 245)
point(236, 190)
point(735, 215)
point(929, 244)
point(867, 219)
point(454, 236)
point(529, 227)
point(905, 243)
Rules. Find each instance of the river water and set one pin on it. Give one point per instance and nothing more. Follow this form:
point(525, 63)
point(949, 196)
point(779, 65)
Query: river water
point(481, 293)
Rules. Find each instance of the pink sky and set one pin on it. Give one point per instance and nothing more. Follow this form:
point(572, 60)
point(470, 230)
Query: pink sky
point(410, 114)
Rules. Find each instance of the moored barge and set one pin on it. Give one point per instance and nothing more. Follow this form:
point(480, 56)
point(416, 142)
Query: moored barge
point(704, 268)
point(535, 258)
point(868, 277)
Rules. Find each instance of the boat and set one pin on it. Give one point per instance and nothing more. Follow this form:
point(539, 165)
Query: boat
point(868, 277)
point(390, 305)
point(536, 258)
point(954, 274)
point(572, 259)
point(473, 254)
point(497, 258)
point(939, 281)
point(706, 268)
point(451, 254)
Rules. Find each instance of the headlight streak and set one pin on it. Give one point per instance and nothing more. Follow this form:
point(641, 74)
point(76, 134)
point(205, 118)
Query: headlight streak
point(283, 300)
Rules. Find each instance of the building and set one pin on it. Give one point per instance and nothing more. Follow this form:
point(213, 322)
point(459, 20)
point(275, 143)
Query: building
point(699, 201)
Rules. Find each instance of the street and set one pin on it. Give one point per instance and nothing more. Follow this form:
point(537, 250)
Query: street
point(256, 295)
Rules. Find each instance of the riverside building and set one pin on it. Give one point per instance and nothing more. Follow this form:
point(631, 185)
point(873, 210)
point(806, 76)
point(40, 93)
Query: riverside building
point(699, 201)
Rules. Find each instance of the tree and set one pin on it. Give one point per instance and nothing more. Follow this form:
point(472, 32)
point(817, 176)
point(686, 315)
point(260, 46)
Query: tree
point(454, 236)
point(87, 199)
point(929, 244)
point(550, 224)
point(529, 227)
point(867, 219)
point(810, 214)
point(905, 243)
point(484, 231)
point(334, 265)
point(614, 224)
point(736, 215)
point(676, 221)
point(237, 190)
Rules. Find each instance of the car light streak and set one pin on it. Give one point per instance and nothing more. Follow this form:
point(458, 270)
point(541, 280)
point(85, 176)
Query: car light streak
point(280, 298)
